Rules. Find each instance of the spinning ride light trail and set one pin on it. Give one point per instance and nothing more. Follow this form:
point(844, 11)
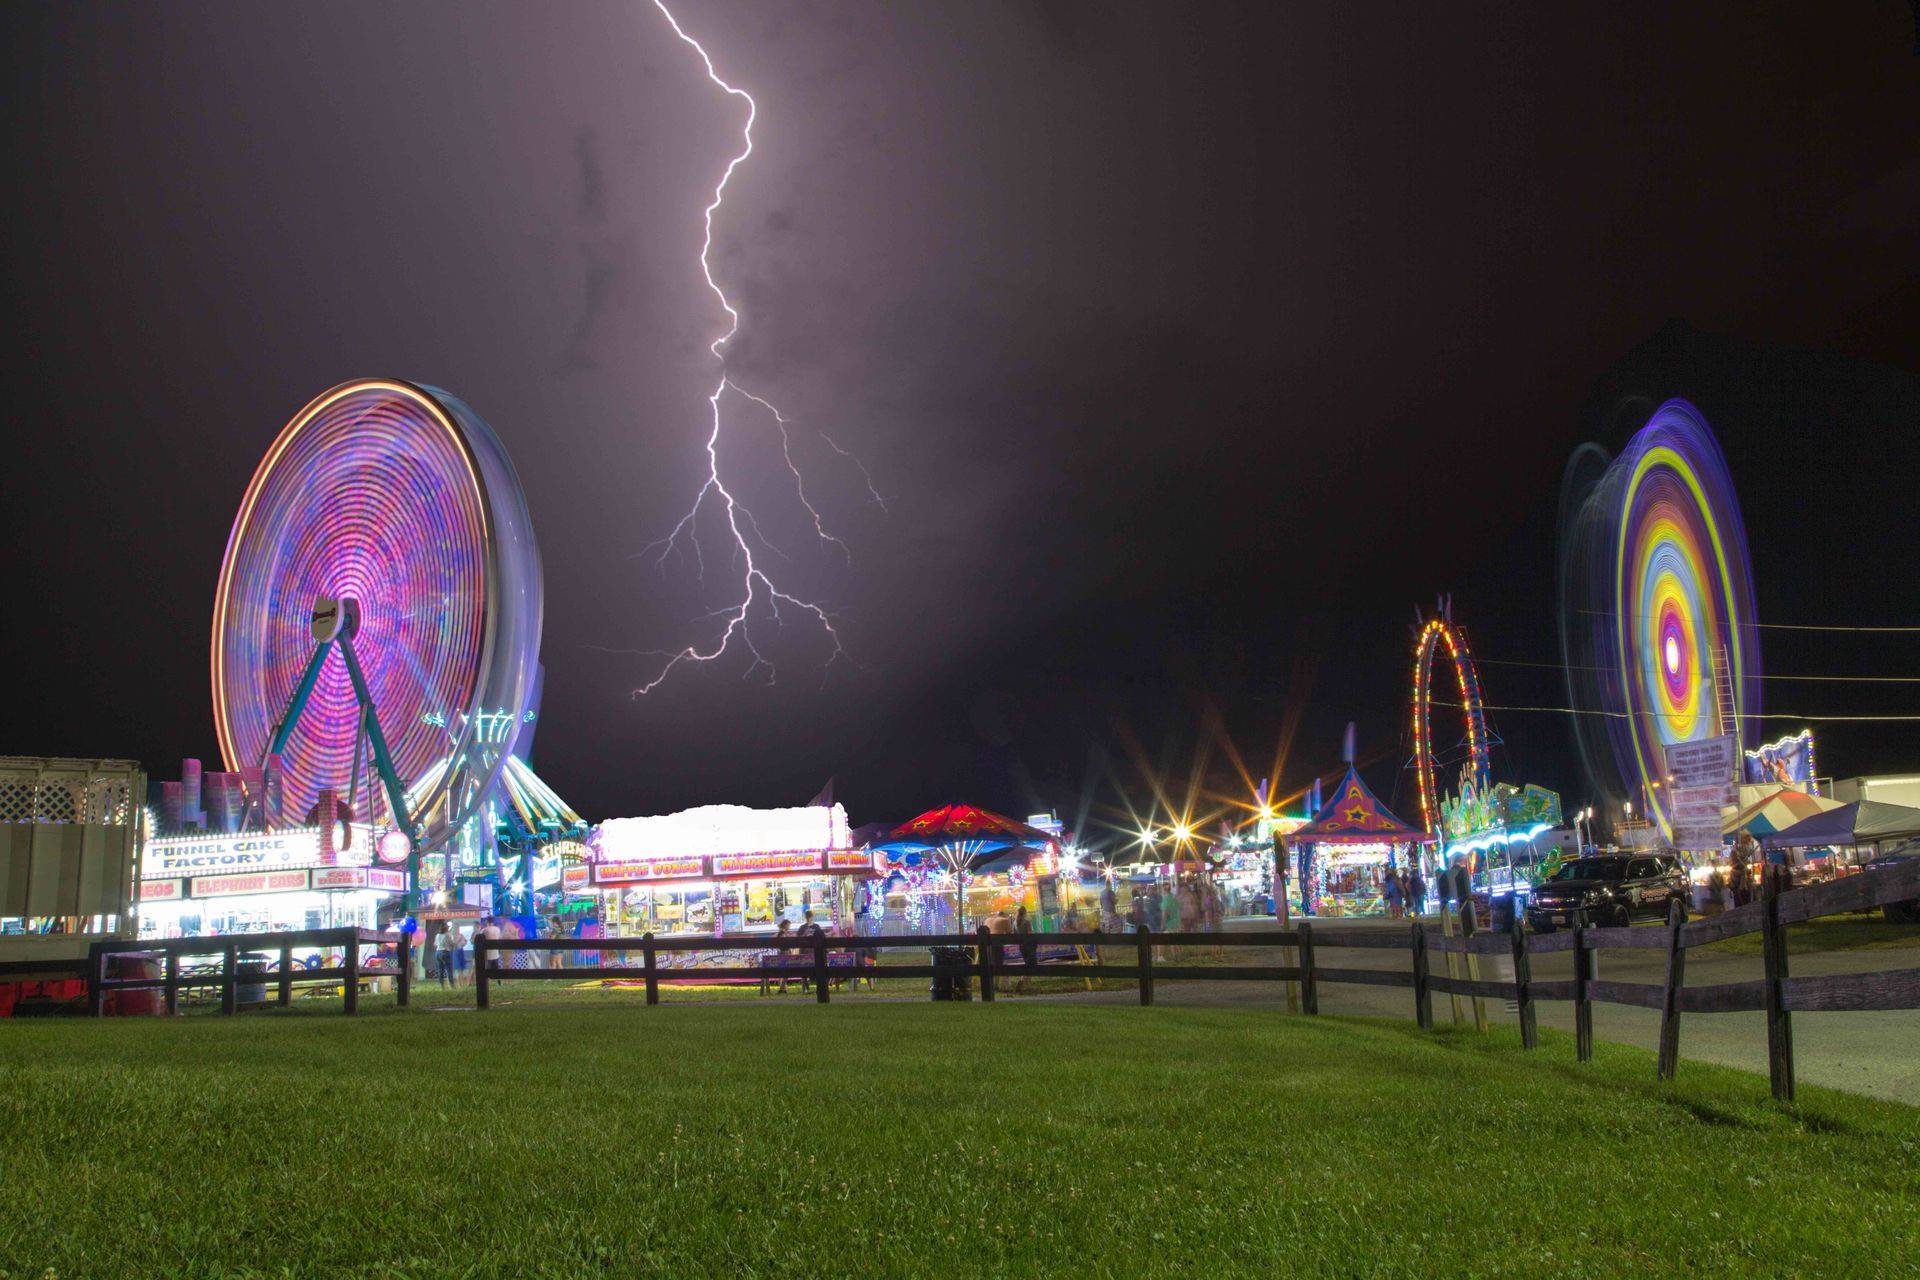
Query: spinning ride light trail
point(1657, 595)
point(755, 583)
point(398, 502)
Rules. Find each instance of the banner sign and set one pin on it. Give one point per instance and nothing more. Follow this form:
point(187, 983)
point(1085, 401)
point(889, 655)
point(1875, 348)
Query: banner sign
point(257, 882)
point(850, 860)
point(340, 878)
point(1789, 760)
point(740, 864)
point(160, 890)
point(1704, 762)
point(652, 869)
point(172, 856)
point(382, 878)
point(576, 877)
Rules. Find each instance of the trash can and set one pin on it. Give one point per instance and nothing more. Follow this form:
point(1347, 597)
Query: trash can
point(143, 1001)
point(250, 974)
point(952, 979)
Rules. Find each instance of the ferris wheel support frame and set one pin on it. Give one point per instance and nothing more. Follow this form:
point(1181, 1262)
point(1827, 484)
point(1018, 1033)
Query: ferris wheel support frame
point(334, 623)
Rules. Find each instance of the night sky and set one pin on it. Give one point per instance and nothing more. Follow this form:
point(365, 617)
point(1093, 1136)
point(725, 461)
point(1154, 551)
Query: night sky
point(1193, 346)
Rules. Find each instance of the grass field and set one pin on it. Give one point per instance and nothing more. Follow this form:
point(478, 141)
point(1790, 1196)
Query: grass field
point(1856, 931)
point(871, 1139)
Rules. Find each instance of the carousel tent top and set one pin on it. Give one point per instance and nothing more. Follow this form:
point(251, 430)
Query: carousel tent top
point(1354, 815)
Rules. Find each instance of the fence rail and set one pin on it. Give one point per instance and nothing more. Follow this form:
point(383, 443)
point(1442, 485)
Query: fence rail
point(231, 976)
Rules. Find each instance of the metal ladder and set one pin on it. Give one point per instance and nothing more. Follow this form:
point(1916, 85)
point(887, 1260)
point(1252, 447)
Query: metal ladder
point(1723, 695)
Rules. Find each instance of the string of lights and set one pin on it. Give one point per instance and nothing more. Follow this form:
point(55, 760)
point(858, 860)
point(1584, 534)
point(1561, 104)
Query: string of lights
point(1770, 715)
point(1791, 626)
point(1560, 666)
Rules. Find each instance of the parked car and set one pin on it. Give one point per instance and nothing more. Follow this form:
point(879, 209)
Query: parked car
point(1613, 889)
point(1907, 912)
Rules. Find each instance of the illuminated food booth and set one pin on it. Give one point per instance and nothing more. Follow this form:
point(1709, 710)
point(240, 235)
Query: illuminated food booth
point(264, 881)
point(726, 870)
point(1347, 849)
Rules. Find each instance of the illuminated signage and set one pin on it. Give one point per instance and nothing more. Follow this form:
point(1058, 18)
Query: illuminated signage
point(172, 856)
point(255, 882)
point(849, 860)
point(653, 869)
point(735, 864)
point(160, 890)
point(575, 877)
point(340, 878)
point(381, 878)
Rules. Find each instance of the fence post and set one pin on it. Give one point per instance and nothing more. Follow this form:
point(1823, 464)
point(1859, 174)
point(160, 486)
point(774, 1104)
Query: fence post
point(171, 974)
point(1582, 1002)
point(1422, 993)
point(650, 960)
point(286, 975)
point(820, 968)
point(1669, 1057)
point(984, 936)
point(1309, 985)
point(1453, 961)
point(229, 978)
point(1143, 941)
point(96, 974)
point(481, 960)
point(1469, 925)
point(403, 985)
point(1773, 941)
point(352, 990)
point(1523, 984)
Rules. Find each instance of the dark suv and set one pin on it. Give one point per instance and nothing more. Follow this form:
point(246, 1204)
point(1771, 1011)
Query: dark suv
point(1613, 889)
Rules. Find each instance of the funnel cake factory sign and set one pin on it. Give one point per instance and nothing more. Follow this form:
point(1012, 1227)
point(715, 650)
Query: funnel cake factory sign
point(193, 855)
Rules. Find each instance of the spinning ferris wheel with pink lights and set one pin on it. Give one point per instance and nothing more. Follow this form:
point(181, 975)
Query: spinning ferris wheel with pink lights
point(379, 610)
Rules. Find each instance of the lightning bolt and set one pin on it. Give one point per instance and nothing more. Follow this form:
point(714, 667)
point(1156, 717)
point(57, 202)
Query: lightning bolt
point(755, 585)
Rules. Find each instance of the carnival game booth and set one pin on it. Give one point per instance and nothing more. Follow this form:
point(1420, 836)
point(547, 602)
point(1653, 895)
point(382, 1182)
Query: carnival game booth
point(1241, 866)
point(1346, 851)
point(957, 866)
point(725, 870)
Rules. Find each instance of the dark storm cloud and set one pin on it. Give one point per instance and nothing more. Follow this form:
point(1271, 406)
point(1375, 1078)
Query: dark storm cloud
point(1196, 343)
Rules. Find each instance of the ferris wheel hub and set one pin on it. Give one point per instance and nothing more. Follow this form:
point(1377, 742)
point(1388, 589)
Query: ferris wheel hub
point(335, 619)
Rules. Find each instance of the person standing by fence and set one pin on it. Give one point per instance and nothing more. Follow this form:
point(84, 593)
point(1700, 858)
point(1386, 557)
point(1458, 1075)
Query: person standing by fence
point(444, 947)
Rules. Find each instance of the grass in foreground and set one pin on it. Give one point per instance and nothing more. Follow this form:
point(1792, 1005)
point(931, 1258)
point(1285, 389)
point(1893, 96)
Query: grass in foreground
point(914, 1140)
point(1856, 931)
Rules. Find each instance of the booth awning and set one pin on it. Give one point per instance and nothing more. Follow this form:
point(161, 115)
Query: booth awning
point(1776, 813)
point(1862, 822)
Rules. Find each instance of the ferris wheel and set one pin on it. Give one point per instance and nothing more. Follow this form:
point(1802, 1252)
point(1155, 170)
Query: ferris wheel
point(385, 522)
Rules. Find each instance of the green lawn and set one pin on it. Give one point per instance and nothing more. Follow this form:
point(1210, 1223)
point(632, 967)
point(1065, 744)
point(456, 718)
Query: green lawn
point(877, 1139)
point(1857, 931)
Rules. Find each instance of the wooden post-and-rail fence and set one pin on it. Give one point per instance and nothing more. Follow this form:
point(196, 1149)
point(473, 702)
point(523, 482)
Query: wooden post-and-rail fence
point(278, 971)
point(823, 960)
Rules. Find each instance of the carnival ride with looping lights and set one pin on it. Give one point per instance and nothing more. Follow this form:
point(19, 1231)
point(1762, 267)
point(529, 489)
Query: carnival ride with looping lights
point(1656, 608)
point(1435, 631)
point(387, 521)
